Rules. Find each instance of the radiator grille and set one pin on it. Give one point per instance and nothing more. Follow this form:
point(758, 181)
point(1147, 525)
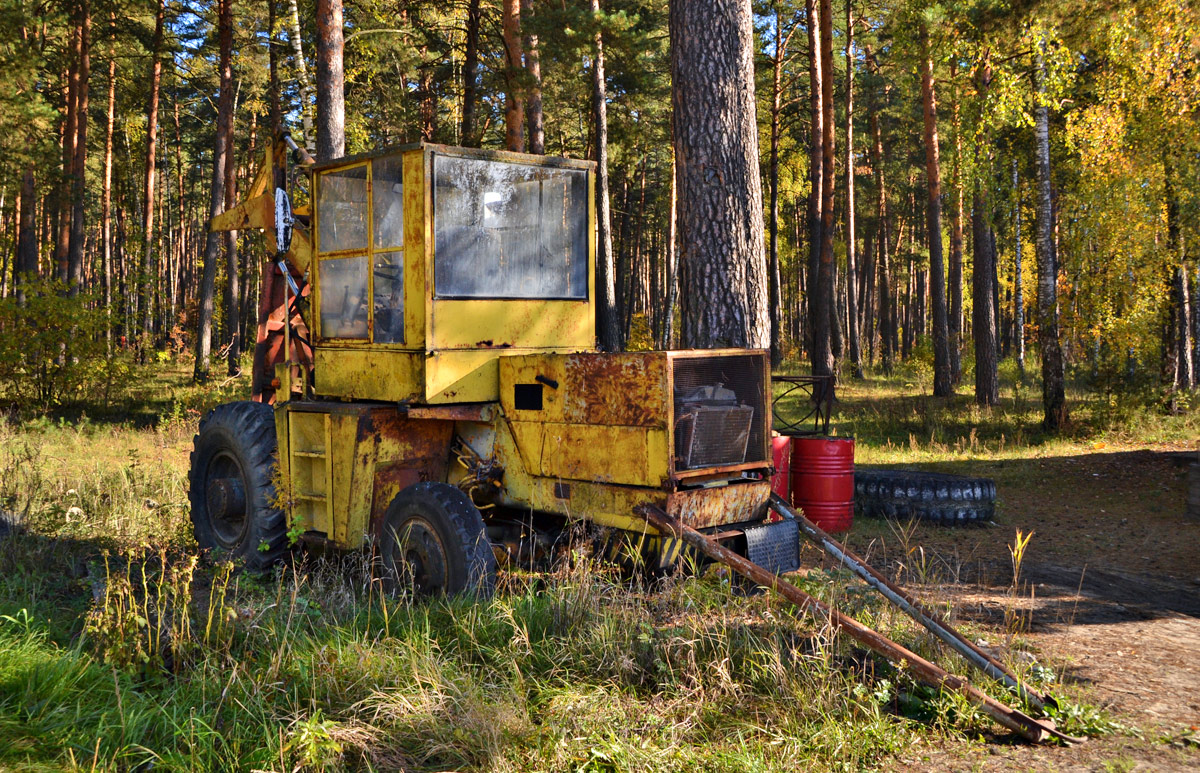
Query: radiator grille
point(719, 410)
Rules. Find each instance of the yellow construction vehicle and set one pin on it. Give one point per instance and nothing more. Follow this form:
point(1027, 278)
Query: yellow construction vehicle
point(449, 408)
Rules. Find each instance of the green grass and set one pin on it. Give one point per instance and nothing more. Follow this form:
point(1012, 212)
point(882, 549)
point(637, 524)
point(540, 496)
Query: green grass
point(118, 649)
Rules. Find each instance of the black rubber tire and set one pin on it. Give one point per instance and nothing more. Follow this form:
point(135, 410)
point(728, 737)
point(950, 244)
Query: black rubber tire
point(236, 441)
point(949, 500)
point(440, 534)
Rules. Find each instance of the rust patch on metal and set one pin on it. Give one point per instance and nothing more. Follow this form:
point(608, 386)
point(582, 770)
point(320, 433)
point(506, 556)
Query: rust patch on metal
point(735, 503)
point(463, 412)
point(616, 389)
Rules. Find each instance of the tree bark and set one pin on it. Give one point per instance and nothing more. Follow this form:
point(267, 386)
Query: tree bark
point(1053, 389)
point(470, 74)
point(514, 108)
point(607, 328)
point(823, 362)
point(672, 278)
point(983, 319)
point(956, 242)
point(533, 67)
point(331, 98)
point(851, 269)
point(106, 190)
point(232, 267)
point(70, 132)
point(1018, 276)
point(25, 267)
point(942, 376)
point(146, 282)
point(722, 262)
point(1186, 377)
point(217, 190)
point(79, 160)
point(274, 111)
point(306, 90)
point(886, 323)
point(773, 178)
point(815, 177)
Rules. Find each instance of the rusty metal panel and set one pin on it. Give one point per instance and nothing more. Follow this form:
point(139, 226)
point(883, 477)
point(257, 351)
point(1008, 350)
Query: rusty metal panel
point(406, 451)
point(634, 456)
point(474, 412)
point(704, 507)
point(416, 230)
point(616, 389)
point(544, 369)
point(369, 374)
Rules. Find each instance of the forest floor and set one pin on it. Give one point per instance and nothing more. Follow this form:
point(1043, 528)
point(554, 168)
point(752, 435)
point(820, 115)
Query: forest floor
point(576, 669)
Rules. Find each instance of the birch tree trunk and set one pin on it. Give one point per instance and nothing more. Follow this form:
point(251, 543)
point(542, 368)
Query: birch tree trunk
point(1018, 276)
point(1053, 389)
point(722, 265)
point(306, 90)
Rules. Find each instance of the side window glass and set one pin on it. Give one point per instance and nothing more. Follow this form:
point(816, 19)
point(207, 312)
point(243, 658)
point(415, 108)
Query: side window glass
point(389, 297)
point(387, 195)
point(342, 210)
point(344, 297)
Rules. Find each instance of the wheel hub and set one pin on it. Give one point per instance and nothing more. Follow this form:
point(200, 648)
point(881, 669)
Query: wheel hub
point(420, 558)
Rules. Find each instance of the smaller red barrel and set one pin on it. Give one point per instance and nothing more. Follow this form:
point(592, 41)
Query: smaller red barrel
point(781, 458)
point(823, 480)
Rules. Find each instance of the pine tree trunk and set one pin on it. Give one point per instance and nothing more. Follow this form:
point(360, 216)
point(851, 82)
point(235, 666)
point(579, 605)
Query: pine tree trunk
point(306, 90)
point(533, 66)
point(78, 237)
point(815, 160)
point(773, 179)
point(331, 99)
point(607, 329)
point(956, 243)
point(233, 315)
point(722, 262)
point(672, 293)
point(470, 74)
point(25, 267)
point(851, 268)
point(70, 132)
point(106, 191)
point(983, 319)
point(1053, 388)
point(217, 190)
point(824, 363)
point(147, 281)
point(886, 324)
point(942, 375)
point(1018, 277)
point(514, 106)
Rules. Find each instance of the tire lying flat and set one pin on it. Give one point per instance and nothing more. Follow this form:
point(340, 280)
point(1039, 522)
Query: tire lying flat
point(948, 500)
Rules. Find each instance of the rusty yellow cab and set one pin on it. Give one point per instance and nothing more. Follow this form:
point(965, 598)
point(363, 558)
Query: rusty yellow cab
point(454, 411)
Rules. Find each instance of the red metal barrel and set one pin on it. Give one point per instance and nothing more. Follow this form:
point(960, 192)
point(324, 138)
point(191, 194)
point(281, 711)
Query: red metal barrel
point(823, 480)
point(781, 458)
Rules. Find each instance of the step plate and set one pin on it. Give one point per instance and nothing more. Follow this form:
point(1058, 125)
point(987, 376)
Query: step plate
point(774, 546)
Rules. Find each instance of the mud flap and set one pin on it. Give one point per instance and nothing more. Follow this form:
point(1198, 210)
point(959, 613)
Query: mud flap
point(774, 546)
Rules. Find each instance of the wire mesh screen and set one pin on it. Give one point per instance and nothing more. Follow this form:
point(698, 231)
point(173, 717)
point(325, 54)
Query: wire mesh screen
point(720, 411)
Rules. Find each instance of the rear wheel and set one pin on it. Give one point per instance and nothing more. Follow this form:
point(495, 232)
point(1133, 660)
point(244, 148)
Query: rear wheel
point(231, 487)
point(434, 542)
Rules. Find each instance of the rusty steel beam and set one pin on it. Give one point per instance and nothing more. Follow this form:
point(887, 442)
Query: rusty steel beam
point(932, 675)
point(935, 624)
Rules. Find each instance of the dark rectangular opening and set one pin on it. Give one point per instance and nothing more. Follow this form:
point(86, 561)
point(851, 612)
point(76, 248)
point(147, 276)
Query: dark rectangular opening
point(527, 397)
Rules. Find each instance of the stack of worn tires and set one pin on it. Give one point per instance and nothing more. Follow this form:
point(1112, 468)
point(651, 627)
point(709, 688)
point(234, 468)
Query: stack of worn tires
point(948, 500)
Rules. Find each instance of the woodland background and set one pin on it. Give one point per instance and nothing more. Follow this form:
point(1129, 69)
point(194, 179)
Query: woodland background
point(1002, 179)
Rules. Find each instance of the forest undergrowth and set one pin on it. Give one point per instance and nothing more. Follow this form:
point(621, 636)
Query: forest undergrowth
point(123, 649)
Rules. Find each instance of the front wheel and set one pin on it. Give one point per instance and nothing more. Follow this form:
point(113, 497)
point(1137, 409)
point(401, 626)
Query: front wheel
point(231, 487)
point(434, 542)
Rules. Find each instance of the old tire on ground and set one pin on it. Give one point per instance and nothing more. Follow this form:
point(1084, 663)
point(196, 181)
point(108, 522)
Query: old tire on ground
point(231, 486)
point(949, 500)
point(434, 542)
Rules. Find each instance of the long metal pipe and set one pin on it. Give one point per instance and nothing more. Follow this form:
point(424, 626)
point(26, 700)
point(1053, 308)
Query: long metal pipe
point(913, 608)
point(922, 669)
